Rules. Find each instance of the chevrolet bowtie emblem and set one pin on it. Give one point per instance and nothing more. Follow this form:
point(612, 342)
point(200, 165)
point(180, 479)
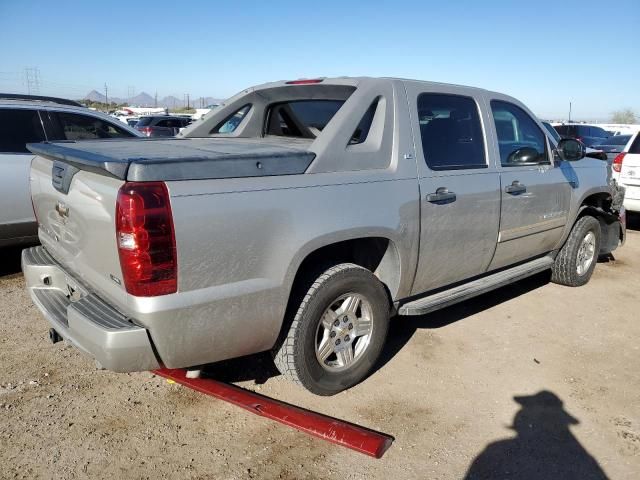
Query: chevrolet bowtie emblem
point(62, 209)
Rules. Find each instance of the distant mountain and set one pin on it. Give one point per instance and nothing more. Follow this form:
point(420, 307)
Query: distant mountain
point(170, 102)
point(94, 96)
point(143, 99)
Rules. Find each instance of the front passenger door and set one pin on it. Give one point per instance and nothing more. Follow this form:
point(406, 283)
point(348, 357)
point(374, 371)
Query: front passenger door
point(536, 192)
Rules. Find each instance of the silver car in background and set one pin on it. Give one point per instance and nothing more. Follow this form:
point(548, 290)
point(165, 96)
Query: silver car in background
point(27, 119)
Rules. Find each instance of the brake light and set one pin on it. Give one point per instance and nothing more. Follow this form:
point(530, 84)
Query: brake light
point(146, 130)
point(146, 239)
point(617, 162)
point(304, 82)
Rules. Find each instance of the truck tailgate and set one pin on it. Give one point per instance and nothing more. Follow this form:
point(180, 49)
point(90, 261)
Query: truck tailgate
point(144, 160)
point(77, 227)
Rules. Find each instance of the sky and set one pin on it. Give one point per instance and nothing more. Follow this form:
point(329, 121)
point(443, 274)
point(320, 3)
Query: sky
point(545, 53)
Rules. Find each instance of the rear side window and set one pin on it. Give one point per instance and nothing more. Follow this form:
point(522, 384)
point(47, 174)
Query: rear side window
point(599, 132)
point(361, 132)
point(17, 128)
point(451, 133)
point(561, 129)
point(301, 118)
point(144, 121)
point(232, 122)
point(85, 127)
point(520, 140)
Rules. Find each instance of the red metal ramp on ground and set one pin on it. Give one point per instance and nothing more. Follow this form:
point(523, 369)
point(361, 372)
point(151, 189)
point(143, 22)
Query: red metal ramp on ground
point(346, 434)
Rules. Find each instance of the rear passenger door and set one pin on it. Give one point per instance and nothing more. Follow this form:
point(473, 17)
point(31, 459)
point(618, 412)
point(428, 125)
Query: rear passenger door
point(536, 192)
point(17, 128)
point(459, 188)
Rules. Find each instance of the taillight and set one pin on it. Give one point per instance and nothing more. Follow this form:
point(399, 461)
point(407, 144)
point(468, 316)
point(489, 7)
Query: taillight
point(617, 162)
point(146, 239)
point(146, 130)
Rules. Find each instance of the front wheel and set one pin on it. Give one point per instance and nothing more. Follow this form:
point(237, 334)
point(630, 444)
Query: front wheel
point(577, 259)
point(338, 331)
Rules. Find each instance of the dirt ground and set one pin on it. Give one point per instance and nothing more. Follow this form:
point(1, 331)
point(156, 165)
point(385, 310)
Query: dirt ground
point(531, 381)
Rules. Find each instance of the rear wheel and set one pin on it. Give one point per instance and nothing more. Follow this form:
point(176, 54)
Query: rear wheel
point(577, 259)
point(338, 331)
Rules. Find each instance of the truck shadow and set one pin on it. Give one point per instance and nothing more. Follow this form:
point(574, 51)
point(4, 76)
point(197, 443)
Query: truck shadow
point(633, 221)
point(403, 328)
point(10, 260)
point(260, 367)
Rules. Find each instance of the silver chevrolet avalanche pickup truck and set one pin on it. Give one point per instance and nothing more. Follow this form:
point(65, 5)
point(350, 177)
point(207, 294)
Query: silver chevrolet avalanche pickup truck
point(299, 216)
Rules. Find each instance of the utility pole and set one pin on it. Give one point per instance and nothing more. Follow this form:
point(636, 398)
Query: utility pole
point(106, 95)
point(131, 91)
point(32, 80)
point(569, 113)
point(188, 103)
point(155, 100)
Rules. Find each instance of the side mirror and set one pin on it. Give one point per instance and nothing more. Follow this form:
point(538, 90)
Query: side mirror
point(570, 149)
point(598, 155)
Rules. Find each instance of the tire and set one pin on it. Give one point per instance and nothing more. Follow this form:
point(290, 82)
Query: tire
point(568, 268)
point(309, 353)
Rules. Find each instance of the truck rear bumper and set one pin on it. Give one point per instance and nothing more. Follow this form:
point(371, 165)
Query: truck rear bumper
point(83, 319)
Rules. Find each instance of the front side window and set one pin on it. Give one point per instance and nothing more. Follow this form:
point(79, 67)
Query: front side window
point(85, 127)
point(451, 133)
point(520, 139)
point(17, 128)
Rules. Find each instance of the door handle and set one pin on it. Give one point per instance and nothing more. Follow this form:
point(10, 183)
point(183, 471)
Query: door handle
point(441, 195)
point(516, 188)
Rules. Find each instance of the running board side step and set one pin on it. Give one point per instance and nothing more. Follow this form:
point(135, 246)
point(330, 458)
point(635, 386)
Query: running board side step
point(482, 285)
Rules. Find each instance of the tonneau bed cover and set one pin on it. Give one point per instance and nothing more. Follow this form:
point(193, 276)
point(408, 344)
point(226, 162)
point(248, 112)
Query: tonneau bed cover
point(181, 159)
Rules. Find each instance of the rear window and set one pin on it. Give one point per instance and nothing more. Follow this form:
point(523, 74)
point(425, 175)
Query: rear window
point(301, 118)
point(617, 140)
point(17, 128)
point(144, 121)
point(561, 129)
point(635, 146)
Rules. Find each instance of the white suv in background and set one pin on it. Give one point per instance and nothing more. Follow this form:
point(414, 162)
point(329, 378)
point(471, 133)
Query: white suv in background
point(626, 171)
point(25, 119)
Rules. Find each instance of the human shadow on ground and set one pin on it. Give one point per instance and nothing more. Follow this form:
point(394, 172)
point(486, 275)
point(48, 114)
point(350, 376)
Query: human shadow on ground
point(543, 448)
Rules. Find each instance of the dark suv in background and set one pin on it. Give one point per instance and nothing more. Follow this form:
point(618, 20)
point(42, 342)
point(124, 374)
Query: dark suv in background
point(161, 125)
point(588, 134)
